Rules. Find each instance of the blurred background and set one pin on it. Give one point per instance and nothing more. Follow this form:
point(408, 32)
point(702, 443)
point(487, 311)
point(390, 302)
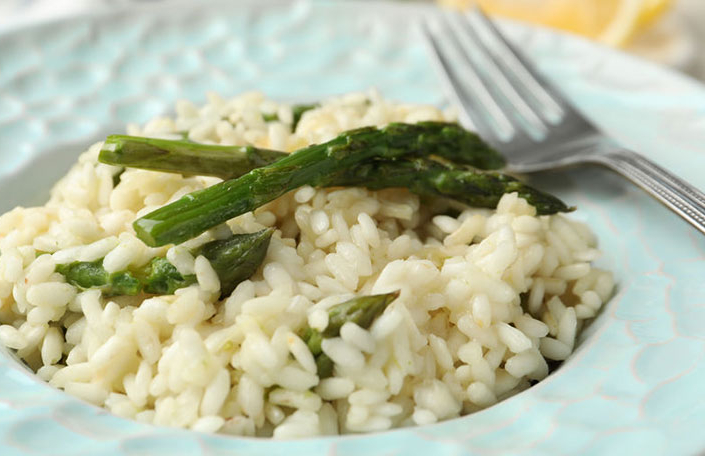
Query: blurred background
point(670, 32)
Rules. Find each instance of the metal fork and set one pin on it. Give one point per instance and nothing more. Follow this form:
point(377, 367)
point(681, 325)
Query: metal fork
point(526, 118)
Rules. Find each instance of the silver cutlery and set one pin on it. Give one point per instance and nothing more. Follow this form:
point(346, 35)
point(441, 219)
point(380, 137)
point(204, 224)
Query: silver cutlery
point(523, 115)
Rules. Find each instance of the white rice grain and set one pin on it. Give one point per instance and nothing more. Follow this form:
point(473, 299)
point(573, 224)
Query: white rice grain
point(368, 397)
point(250, 395)
point(206, 275)
point(12, 338)
point(299, 400)
point(295, 379)
point(51, 294)
point(274, 414)
point(513, 338)
point(52, 347)
point(40, 270)
point(182, 260)
point(343, 353)
point(301, 352)
point(385, 324)
point(572, 272)
point(480, 394)
point(435, 396)
point(522, 364)
point(335, 388)
point(554, 349)
point(357, 337)
point(215, 394)
point(567, 327)
point(423, 416)
point(441, 352)
point(89, 392)
point(208, 424)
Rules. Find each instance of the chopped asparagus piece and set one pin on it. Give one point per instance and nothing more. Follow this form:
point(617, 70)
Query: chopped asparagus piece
point(298, 111)
point(91, 274)
point(234, 260)
point(362, 311)
point(117, 176)
point(162, 277)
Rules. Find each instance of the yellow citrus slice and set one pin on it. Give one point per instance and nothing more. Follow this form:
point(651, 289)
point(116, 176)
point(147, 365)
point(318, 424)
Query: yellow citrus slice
point(612, 22)
point(652, 10)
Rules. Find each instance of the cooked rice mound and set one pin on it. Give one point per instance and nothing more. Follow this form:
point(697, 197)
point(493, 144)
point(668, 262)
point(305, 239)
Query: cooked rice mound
point(488, 297)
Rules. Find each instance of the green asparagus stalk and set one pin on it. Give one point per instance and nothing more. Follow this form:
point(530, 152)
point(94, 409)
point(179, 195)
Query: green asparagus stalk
point(318, 165)
point(228, 162)
point(427, 177)
point(234, 260)
point(423, 176)
point(184, 156)
point(361, 311)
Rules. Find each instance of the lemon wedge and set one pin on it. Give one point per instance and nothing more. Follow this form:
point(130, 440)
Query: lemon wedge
point(652, 10)
point(612, 22)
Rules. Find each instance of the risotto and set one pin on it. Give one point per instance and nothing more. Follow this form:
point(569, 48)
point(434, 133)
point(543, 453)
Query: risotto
point(488, 298)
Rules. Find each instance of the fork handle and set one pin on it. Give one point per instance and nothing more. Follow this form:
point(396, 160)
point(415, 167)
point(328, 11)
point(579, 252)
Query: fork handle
point(678, 195)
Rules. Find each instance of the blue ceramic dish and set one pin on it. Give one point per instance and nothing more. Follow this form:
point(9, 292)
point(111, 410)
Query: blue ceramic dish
point(635, 383)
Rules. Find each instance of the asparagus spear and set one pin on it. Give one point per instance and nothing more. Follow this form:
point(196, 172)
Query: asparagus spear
point(361, 311)
point(184, 156)
point(228, 162)
point(422, 176)
point(234, 259)
point(317, 165)
point(428, 177)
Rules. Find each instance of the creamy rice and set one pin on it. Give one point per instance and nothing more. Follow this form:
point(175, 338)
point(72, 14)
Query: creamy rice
point(488, 297)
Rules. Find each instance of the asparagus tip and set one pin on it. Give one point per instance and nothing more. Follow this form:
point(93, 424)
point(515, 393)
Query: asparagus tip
point(110, 150)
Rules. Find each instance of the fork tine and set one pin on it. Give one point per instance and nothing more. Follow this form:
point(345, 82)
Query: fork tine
point(490, 70)
point(444, 71)
point(544, 93)
point(478, 101)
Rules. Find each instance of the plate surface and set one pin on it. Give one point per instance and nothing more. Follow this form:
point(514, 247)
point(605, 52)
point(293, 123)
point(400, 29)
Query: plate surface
point(635, 383)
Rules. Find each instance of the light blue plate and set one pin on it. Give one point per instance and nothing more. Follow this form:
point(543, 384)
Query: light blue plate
point(636, 384)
